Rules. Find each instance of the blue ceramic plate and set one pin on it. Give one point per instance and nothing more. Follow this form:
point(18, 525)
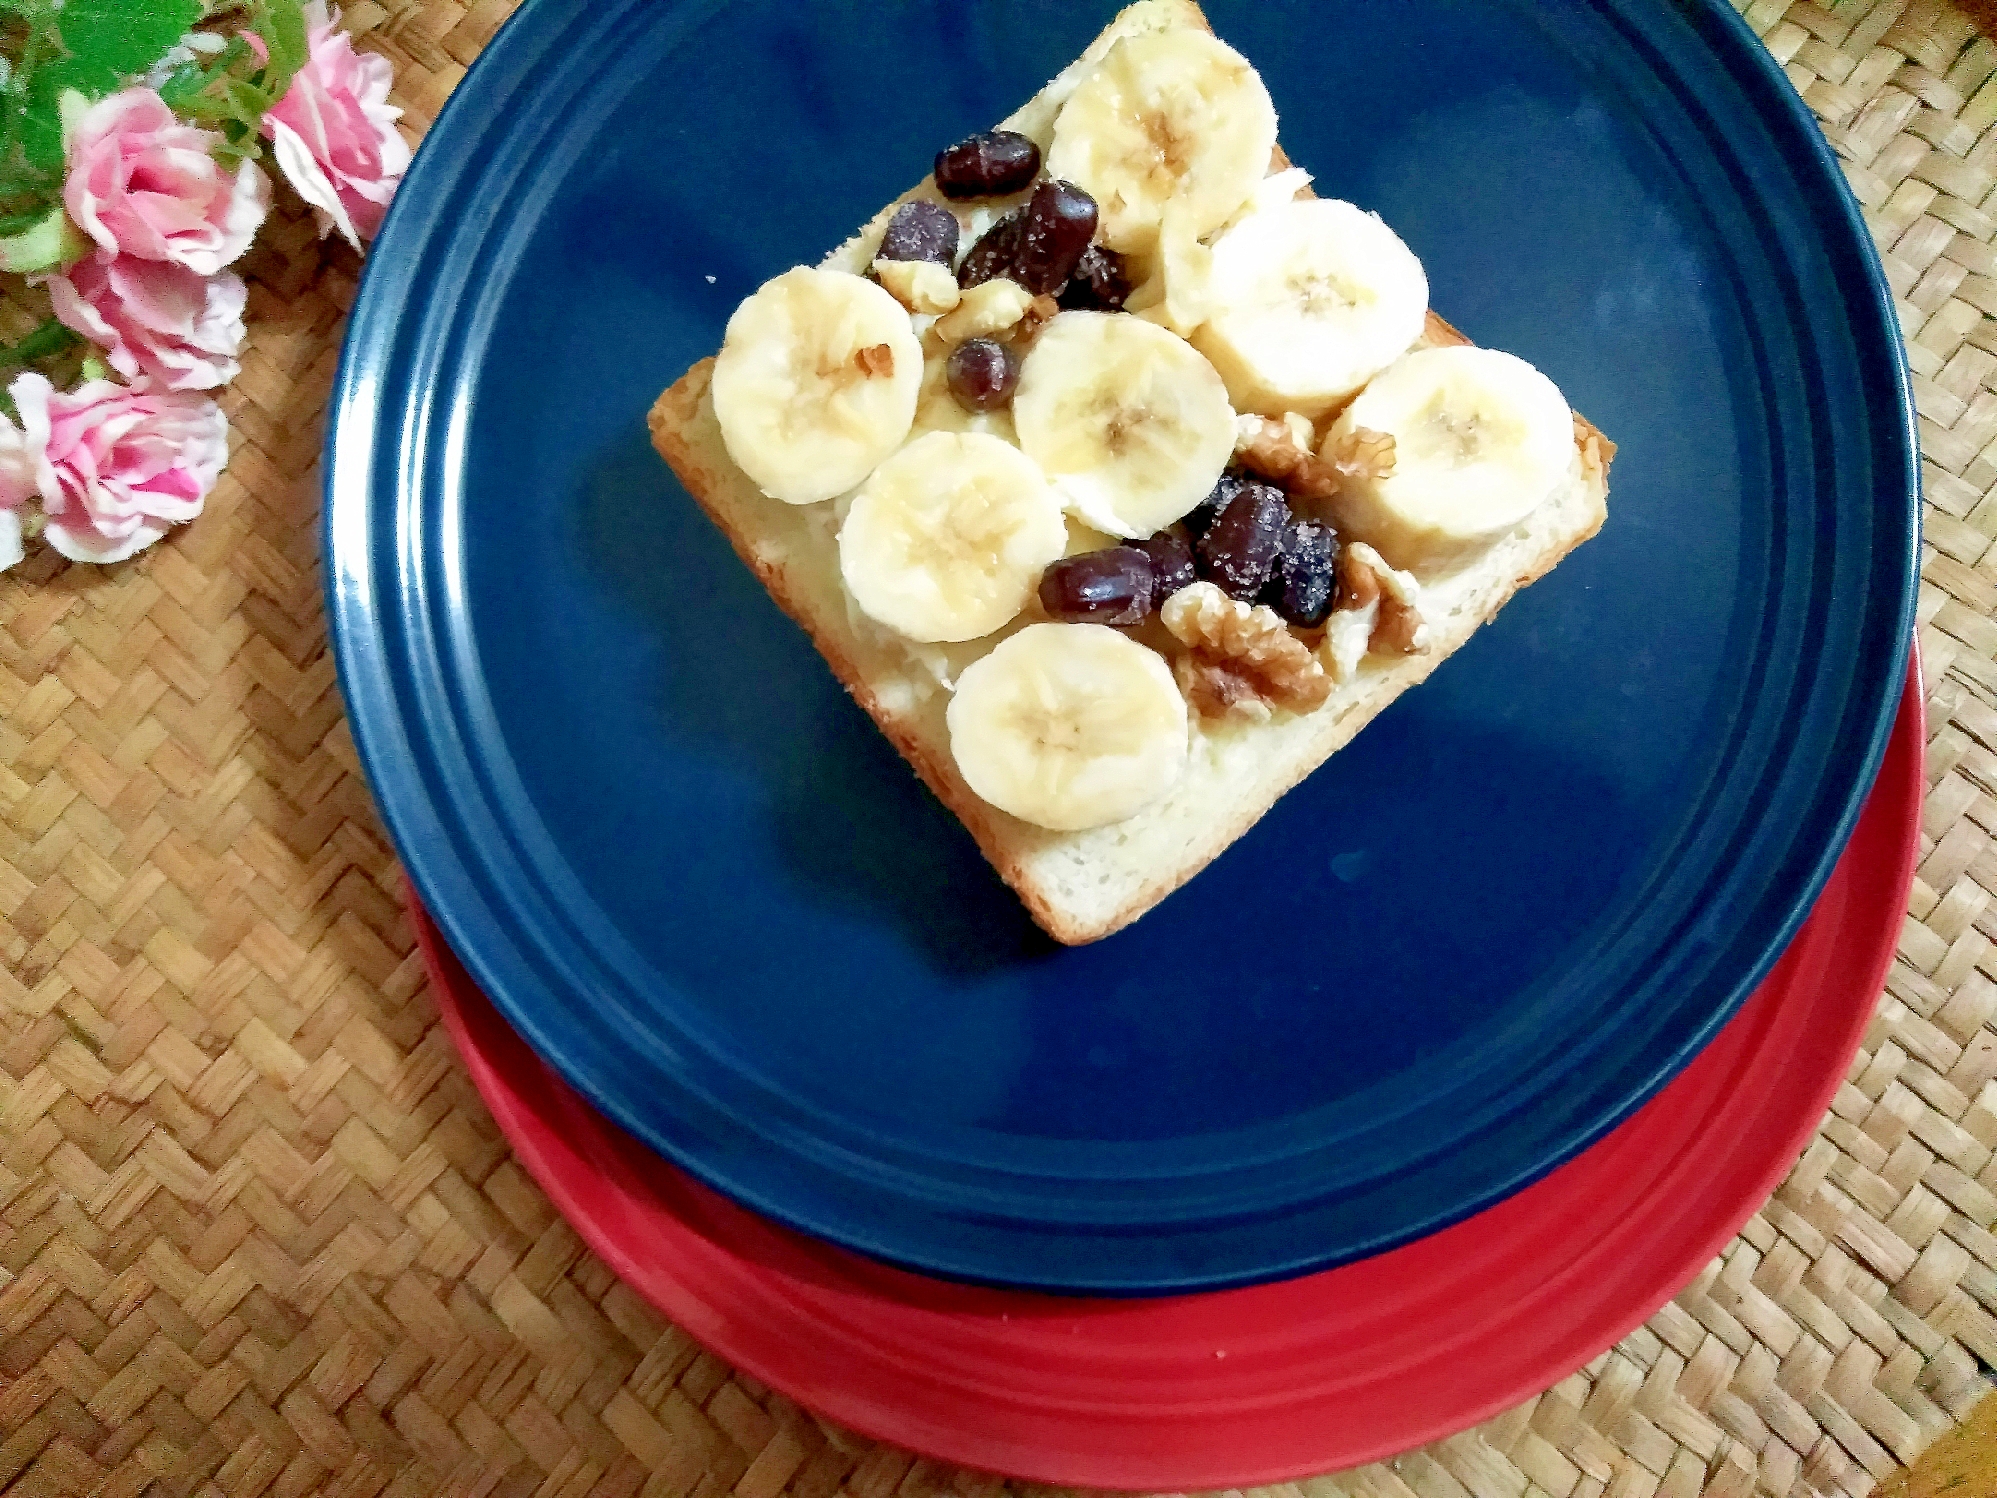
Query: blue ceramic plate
point(699, 882)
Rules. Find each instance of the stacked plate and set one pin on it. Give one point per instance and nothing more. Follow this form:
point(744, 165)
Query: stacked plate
point(1438, 1081)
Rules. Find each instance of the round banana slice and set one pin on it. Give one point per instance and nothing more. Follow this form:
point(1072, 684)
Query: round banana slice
point(1068, 726)
point(1176, 115)
point(1306, 302)
point(1481, 440)
point(948, 538)
point(815, 383)
point(1129, 423)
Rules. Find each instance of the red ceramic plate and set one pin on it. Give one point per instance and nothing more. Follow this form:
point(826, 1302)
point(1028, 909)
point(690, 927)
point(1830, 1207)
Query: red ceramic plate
point(1276, 1382)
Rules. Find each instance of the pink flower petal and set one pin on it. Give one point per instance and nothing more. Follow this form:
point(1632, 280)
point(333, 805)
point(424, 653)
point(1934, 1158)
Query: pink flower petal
point(154, 319)
point(114, 465)
point(82, 544)
point(333, 133)
point(142, 183)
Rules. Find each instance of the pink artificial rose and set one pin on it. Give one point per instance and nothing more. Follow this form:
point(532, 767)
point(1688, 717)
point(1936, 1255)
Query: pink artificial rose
point(17, 483)
point(114, 465)
point(334, 134)
point(154, 319)
point(143, 184)
point(17, 487)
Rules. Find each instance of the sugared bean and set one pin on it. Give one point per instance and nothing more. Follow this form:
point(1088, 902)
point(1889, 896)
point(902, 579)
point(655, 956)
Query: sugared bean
point(1171, 564)
point(1060, 221)
point(1097, 283)
point(1240, 547)
point(988, 165)
point(921, 231)
point(1111, 586)
point(982, 374)
point(1301, 583)
point(995, 251)
point(1207, 511)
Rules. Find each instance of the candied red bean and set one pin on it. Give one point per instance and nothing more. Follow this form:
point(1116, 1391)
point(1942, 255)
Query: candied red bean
point(1098, 283)
point(1302, 582)
point(1171, 564)
point(1060, 221)
point(981, 374)
point(1240, 548)
point(995, 251)
point(1208, 510)
point(1111, 586)
point(921, 231)
point(987, 165)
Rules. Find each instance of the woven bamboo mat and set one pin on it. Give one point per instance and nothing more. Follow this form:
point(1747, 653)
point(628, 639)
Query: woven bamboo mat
point(258, 1234)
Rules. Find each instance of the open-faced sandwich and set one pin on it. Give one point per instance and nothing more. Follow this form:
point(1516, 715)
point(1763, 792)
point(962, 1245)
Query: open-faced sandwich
point(1121, 479)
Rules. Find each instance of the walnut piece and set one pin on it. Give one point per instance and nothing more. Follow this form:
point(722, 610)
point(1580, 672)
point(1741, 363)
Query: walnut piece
point(1039, 312)
point(1242, 661)
point(1361, 453)
point(1379, 609)
point(987, 308)
point(1276, 450)
point(1269, 448)
point(922, 286)
point(1215, 689)
point(875, 360)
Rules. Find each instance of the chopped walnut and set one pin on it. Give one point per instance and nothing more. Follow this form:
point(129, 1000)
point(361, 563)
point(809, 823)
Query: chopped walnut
point(1379, 609)
point(1269, 448)
point(1360, 453)
point(1596, 450)
point(1039, 312)
point(1215, 689)
point(987, 308)
point(922, 286)
point(1274, 450)
point(1243, 659)
point(876, 360)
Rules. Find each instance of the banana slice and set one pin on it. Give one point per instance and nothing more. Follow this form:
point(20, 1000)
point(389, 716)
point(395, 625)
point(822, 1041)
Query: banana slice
point(1128, 422)
point(1068, 726)
point(1307, 301)
point(948, 538)
point(1174, 292)
point(1174, 116)
point(815, 383)
point(1481, 439)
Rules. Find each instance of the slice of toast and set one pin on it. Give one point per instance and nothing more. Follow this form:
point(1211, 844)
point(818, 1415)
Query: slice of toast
point(1080, 886)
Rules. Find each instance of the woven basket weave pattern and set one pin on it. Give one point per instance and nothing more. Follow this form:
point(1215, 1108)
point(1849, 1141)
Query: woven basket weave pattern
point(259, 1235)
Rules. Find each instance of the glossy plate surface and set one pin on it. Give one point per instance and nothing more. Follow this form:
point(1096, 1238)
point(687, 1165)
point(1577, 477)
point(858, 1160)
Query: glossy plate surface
point(1243, 1387)
point(702, 886)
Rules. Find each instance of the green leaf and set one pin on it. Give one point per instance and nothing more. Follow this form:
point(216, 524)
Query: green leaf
point(231, 90)
point(52, 242)
point(281, 24)
point(45, 342)
point(186, 82)
point(105, 42)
